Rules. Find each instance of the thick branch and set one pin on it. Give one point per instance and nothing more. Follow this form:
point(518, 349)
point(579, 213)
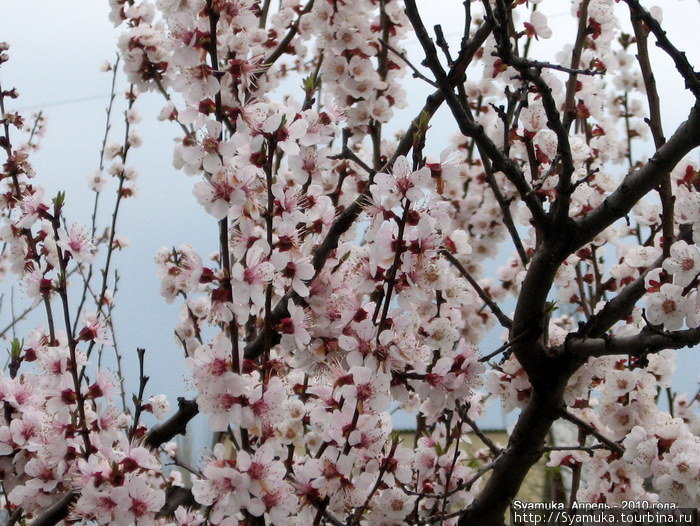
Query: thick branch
point(620, 306)
point(176, 496)
point(524, 449)
point(647, 341)
point(173, 426)
point(57, 512)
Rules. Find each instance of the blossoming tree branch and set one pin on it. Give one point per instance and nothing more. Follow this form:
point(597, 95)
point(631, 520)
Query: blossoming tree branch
point(355, 271)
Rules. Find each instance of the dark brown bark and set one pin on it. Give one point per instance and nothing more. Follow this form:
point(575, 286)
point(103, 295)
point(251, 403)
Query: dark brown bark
point(549, 369)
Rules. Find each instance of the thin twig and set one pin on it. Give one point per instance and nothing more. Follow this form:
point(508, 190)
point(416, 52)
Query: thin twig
point(138, 399)
point(504, 320)
point(502, 348)
point(613, 446)
point(416, 73)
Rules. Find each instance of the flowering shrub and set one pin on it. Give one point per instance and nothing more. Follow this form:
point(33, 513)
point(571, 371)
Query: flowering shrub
point(353, 272)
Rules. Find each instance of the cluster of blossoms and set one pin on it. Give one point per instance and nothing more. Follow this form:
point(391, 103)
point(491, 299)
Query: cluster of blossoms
point(62, 433)
point(623, 407)
point(43, 448)
point(350, 36)
point(355, 275)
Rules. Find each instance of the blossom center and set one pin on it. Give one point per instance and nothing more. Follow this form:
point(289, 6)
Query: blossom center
point(668, 306)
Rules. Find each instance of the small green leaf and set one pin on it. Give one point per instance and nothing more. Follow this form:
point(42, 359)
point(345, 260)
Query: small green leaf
point(15, 349)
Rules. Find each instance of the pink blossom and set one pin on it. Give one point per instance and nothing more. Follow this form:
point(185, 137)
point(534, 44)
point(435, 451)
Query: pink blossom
point(537, 26)
point(77, 242)
point(667, 307)
point(137, 501)
point(403, 182)
point(369, 388)
point(296, 271)
point(684, 263)
point(248, 280)
point(294, 328)
point(32, 206)
point(95, 329)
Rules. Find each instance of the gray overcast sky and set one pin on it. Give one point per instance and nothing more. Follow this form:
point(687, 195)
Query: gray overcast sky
point(56, 51)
